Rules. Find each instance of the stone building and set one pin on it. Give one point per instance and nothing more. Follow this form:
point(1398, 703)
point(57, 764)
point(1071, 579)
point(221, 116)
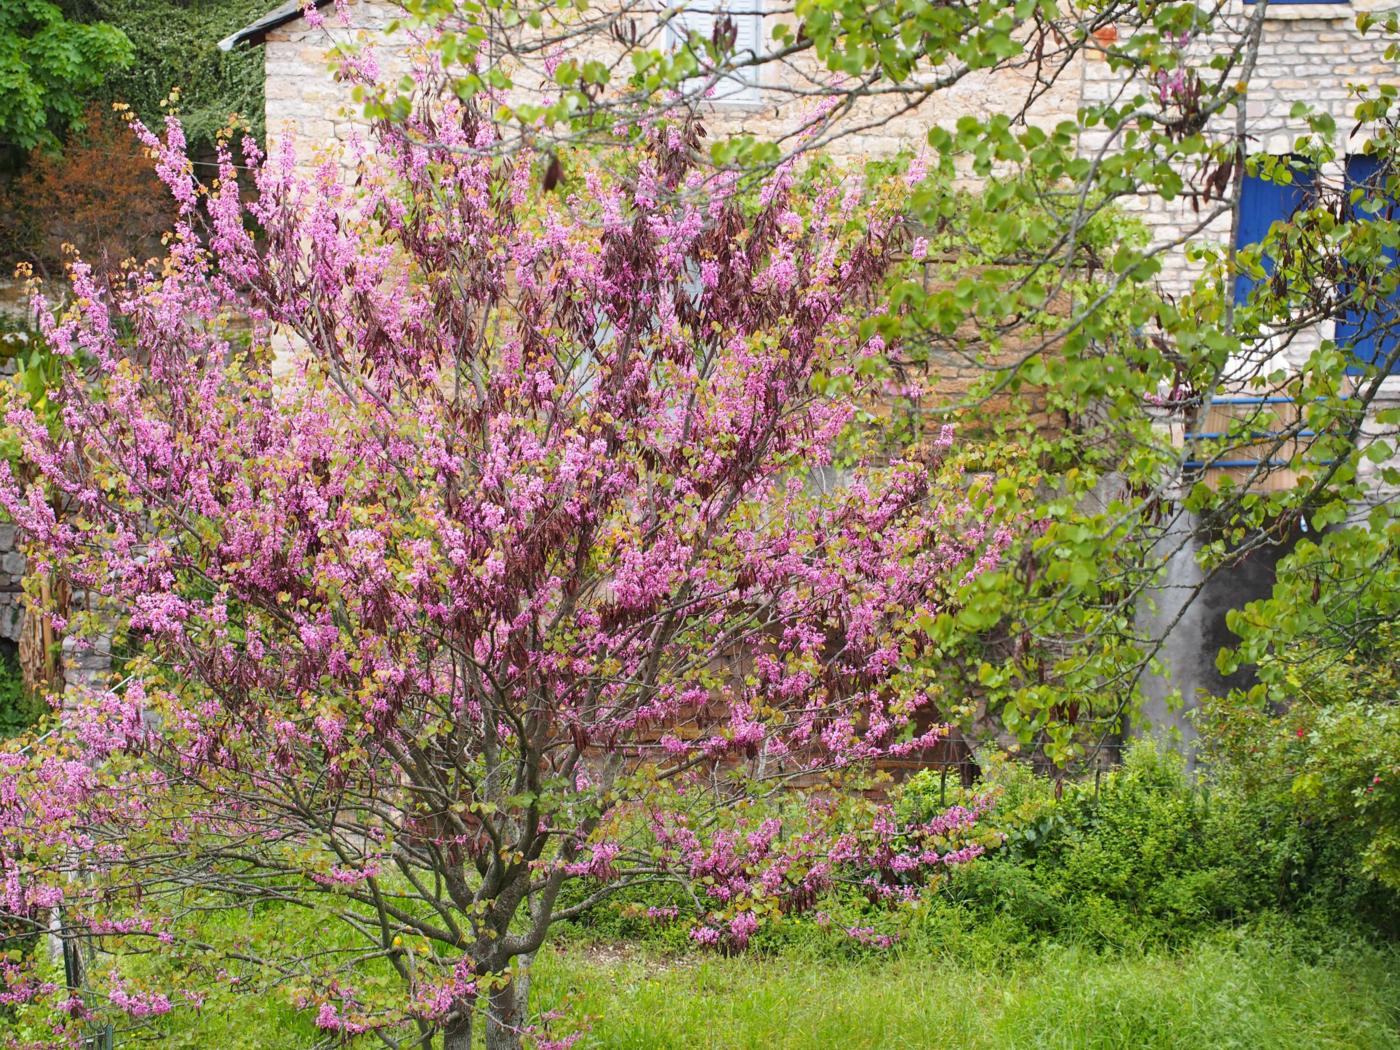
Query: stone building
point(1309, 52)
point(764, 100)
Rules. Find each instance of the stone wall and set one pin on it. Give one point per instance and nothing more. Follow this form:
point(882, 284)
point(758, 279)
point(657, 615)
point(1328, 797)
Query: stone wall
point(14, 302)
point(1309, 53)
point(303, 100)
point(11, 562)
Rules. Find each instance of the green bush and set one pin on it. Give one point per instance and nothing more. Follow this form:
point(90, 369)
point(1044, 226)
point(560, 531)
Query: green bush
point(630, 914)
point(1321, 734)
point(20, 710)
point(1149, 854)
point(175, 46)
point(1128, 860)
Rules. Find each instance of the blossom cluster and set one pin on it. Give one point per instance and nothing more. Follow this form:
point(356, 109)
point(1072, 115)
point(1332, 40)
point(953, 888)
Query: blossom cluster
point(532, 522)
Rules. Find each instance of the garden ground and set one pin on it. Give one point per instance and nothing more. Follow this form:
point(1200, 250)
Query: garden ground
point(1148, 910)
point(1231, 989)
point(1213, 995)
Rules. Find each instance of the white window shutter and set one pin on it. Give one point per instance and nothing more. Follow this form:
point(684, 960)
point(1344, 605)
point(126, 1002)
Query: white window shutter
point(741, 85)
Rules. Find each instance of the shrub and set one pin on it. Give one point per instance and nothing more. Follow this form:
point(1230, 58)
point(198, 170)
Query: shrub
point(1151, 854)
point(20, 709)
point(100, 196)
point(1318, 742)
point(175, 46)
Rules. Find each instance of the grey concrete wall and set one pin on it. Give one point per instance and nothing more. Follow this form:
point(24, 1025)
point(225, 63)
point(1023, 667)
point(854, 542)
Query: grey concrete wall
point(1188, 610)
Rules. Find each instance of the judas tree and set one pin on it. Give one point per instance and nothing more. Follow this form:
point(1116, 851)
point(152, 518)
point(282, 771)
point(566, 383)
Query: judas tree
point(545, 563)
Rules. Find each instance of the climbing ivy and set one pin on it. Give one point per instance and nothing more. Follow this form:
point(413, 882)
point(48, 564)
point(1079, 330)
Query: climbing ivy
point(175, 45)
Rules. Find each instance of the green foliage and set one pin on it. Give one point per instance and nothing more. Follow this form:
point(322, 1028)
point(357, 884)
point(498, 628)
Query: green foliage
point(48, 64)
point(1046, 643)
point(175, 49)
point(20, 710)
point(1023, 809)
point(656, 914)
point(1140, 856)
point(1149, 913)
point(1147, 856)
point(1132, 861)
point(1322, 733)
point(37, 375)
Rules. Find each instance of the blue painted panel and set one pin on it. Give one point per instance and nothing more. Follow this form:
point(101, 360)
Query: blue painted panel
point(1263, 203)
point(1274, 3)
point(1372, 336)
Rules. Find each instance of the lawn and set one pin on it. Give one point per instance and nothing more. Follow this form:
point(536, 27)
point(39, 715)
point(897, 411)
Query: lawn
point(1214, 994)
point(1224, 991)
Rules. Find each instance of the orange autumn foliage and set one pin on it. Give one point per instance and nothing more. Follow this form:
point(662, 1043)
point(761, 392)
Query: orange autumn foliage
point(100, 196)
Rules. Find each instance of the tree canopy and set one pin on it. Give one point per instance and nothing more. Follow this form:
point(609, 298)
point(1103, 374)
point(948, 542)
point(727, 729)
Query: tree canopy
point(48, 67)
point(592, 510)
point(524, 575)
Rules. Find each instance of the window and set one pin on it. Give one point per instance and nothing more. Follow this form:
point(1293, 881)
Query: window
point(1372, 335)
point(700, 18)
point(1265, 201)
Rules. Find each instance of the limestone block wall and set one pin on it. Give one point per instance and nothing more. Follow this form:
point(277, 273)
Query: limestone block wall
point(1309, 53)
point(303, 100)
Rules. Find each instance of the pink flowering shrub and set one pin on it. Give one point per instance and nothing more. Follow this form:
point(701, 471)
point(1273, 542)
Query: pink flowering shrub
point(524, 542)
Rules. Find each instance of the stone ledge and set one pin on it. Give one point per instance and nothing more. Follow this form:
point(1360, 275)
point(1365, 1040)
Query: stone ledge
point(1286, 12)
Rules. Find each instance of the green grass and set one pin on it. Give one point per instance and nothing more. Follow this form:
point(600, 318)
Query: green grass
point(1276, 985)
point(1216, 994)
point(251, 1022)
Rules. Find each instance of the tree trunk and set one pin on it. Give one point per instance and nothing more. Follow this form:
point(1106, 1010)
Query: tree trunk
point(458, 1034)
point(508, 1008)
point(39, 665)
